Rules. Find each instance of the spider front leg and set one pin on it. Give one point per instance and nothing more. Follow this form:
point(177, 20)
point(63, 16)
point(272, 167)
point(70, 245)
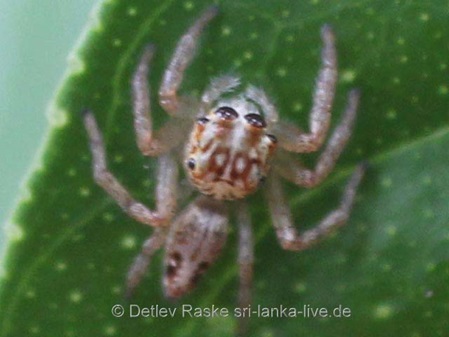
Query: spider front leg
point(320, 115)
point(165, 190)
point(185, 50)
point(246, 262)
point(171, 134)
point(282, 219)
point(296, 173)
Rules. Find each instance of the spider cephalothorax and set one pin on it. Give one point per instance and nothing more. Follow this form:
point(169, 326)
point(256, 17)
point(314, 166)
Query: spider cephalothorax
point(229, 150)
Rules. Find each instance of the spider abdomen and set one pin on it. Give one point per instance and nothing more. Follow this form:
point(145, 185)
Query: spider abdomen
point(196, 239)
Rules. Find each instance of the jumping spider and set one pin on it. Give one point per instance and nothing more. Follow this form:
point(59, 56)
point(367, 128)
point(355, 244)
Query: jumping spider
point(234, 143)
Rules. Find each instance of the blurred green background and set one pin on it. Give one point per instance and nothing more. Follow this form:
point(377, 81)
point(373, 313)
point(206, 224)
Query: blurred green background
point(36, 38)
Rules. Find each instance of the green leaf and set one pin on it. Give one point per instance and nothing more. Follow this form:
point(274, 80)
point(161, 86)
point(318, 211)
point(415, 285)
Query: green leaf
point(389, 266)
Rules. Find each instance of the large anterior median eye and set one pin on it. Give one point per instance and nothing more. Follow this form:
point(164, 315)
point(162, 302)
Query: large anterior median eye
point(255, 120)
point(226, 113)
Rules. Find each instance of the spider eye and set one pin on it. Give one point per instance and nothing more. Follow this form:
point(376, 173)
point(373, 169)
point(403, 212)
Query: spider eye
point(202, 120)
point(226, 113)
point(256, 120)
point(273, 139)
point(191, 163)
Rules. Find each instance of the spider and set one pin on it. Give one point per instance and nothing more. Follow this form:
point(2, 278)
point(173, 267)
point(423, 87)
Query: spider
point(234, 141)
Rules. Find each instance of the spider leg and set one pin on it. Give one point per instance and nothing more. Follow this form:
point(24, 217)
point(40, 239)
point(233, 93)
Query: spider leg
point(142, 261)
point(301, 176)
point(165, 191)
point(183, 55)
point(282, 219)
point(171, 134)
point(246, 261)
point(320, 114)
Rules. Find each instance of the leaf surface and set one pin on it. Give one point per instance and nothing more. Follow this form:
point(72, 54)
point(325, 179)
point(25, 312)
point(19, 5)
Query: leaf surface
point(389, 266)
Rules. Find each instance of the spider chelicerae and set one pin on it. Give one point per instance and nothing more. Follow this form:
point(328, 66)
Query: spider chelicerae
point(234, 141)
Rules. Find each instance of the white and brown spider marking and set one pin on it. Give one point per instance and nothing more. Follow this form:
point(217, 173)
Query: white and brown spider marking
point(234, 143)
